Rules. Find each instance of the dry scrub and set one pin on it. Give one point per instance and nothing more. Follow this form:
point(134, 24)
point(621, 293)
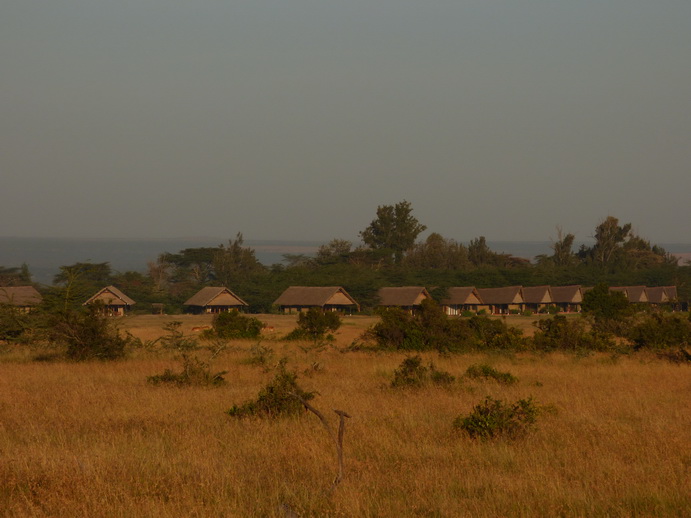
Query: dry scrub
point(94, 439)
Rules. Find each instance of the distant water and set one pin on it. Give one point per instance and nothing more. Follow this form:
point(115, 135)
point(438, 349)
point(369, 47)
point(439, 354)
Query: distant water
point(45, 255)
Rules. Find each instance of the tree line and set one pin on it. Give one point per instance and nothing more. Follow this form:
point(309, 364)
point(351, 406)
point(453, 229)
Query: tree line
point(390, 254)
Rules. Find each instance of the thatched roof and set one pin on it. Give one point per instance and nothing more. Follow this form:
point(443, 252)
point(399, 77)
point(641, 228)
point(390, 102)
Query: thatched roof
point(405, 296)
point(459, 296)
point(657, 295)
point(537, 295)
point(508, 295)
point(215, 296)
point(567, 294)
point(111, 296)
point(633, 293)
point(671, 292)
point(315, 296)
point(20, 296)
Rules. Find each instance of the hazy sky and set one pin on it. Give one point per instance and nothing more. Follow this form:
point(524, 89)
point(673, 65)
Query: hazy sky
point(294, 119)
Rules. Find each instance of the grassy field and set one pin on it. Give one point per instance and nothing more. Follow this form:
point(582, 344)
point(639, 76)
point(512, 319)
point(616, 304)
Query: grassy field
point(95, 439)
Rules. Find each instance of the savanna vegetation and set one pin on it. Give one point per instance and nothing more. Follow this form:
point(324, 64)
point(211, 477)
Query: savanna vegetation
point(382, 414)
point(219, 427)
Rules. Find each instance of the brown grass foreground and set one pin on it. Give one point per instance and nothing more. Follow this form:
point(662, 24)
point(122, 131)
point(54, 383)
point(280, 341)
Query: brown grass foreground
point(94, 439)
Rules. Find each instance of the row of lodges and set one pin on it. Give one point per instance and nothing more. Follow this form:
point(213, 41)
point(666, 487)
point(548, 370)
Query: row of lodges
point(567, 299)
point(458, 300)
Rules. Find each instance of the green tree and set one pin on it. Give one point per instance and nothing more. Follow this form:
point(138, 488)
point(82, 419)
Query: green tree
point(394, 229)
point(563, 249)
point(191, 266)
point(89, 335)
point(76, 283)
point(15, 276)
point(608, 308)
point(481, 255)
point(438, 253)
point(335, 252)
point(609, 237)
point(315, 323)
point(91, 273)
point(235, 262)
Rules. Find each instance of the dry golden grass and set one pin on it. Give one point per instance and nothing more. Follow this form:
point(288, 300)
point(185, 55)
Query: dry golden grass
point(94, 439)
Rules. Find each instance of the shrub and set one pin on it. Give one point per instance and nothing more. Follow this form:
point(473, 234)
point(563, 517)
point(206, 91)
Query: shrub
point(314, 323)
point(491, 333)
point(260, 355)
point(569, 334)
point(607, 308)
point(89, 335)
point(428, 329)
point(276, 399)
point(13, 323)
point(494, 418)
point(176, 339)
point(194, 372)
point(677, 356)
point(411, 373)
point(231, 325)
point(431, 329)
point(490, 373)
point(661, 331)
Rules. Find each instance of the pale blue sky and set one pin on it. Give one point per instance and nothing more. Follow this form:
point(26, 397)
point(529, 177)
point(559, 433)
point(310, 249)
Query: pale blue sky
point(294, 119)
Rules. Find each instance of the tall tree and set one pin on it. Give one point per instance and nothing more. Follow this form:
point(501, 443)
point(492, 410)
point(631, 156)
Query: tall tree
point(16, 276)
point(609, 237)
point(394, 229)
point(563, 249)
point(235, 262)
point(336, 251)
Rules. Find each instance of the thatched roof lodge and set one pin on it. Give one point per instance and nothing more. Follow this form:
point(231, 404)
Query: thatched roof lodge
point(567, 298)
point(114, 301)
point(460, 299)
point(327, 298)
point(215, 299)
point(661, 294)
point(536, 297)
point(405, 297)
point(501, 301)
point(23, 297)
point(634, 294)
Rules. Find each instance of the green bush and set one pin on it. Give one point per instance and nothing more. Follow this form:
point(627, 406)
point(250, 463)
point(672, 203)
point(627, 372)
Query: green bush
point(661, 331)
point(484, 371)
point(14, 323)
point(492, 333)
point(411, 373)
point(608, 309)
point(569, 334)
point(276, 399)
point(314, 324)
point(493, 418)
point(260, 355)
point(428, 329)
point(194, 372)
point(232, 325)
point(175, 338)
point(89, 335)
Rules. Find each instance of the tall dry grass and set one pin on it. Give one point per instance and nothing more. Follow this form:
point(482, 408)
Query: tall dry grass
point(95, 439)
